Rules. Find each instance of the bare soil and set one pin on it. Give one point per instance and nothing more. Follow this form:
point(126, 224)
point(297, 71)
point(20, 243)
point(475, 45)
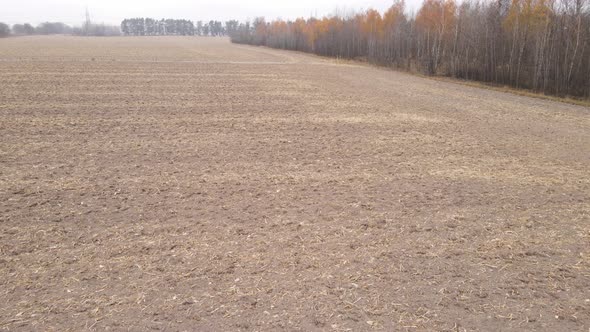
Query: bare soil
point(191, 184)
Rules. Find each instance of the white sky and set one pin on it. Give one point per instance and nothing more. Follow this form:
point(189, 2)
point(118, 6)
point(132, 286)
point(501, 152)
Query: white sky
point(113, 11)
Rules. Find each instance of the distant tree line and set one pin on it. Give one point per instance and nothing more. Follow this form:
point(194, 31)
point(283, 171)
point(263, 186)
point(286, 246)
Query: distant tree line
point(543, 45)
point(152, 27)
point(129, 27)
point(23, 29)
point(46, 28)
point(59, 28)
point(100, 30)
point(4, 30)
point(172, 27)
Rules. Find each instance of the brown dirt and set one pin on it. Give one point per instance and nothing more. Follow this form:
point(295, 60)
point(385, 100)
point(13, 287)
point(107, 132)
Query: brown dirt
point(191, 184)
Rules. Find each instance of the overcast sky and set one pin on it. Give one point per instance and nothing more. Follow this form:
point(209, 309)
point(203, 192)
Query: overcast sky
point(113, 11)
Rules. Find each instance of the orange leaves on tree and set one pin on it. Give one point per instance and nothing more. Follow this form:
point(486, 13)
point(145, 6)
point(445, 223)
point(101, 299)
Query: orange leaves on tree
point(394, 15)
point(278, 28)
point(260, 26)
point(437, 16)
point(371, 24)
point(533, 14)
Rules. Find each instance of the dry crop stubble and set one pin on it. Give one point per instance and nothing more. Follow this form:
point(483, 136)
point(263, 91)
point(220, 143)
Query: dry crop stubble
point(188, 183)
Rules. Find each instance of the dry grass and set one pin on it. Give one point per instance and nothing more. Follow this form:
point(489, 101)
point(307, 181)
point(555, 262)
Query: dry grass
point(519, 92)
point(483, 85)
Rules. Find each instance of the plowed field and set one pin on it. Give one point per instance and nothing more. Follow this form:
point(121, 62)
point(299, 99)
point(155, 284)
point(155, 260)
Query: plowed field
point(191, 184)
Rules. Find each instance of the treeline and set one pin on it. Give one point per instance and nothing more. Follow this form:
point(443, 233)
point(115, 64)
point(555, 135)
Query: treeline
point(152, 27)
point(171, 27)
point(47, 28)
point(59, 28)
point(4, 30)
point(542, 45)
point(129, 27)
